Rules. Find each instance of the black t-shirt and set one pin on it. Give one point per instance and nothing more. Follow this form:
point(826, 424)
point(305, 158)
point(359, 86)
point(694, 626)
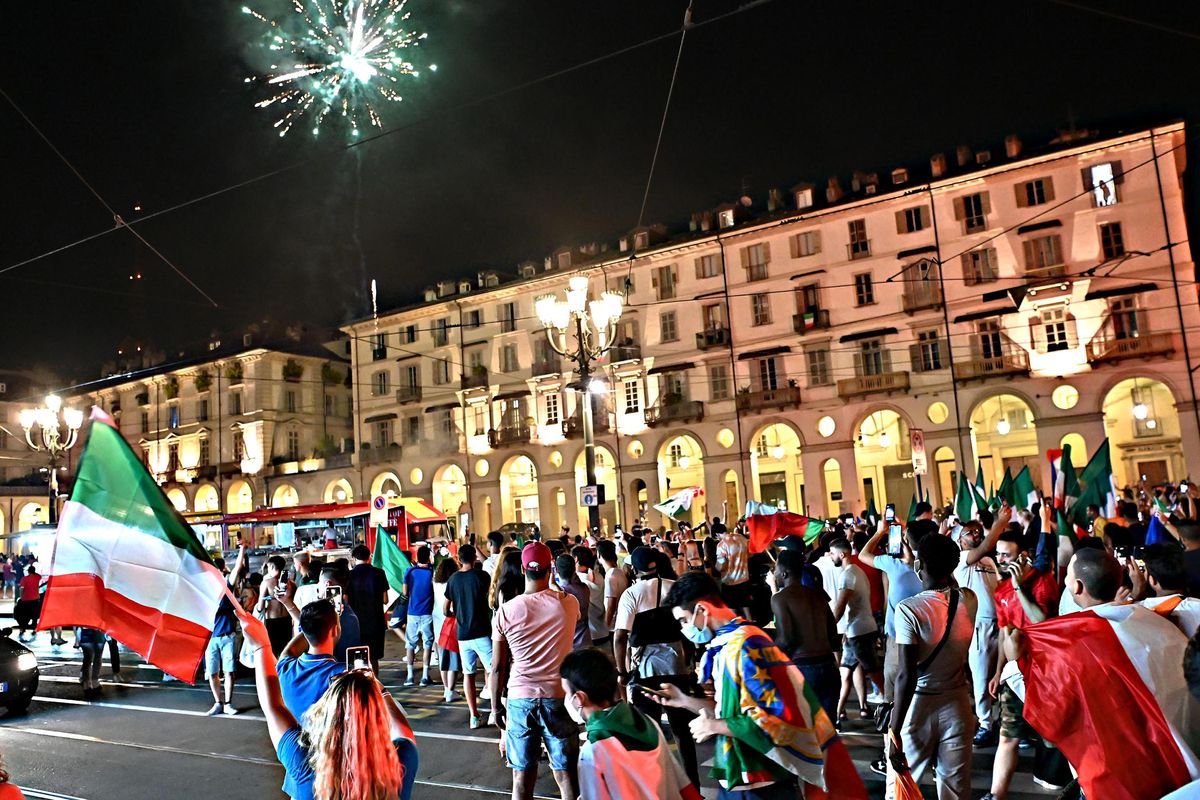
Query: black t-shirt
point(1191, 564)
point(468, 591)
point(367, 595)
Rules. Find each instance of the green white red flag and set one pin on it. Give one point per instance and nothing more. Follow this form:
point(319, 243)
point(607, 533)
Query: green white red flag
point(126, 563)
point(767, 523)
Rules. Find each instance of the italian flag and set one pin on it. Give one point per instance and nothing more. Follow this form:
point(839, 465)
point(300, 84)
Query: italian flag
point(126, 563)
point(768, 523)
point(679, 505)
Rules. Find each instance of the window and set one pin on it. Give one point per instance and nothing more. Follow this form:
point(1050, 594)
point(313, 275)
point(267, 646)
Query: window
point(1102, 182)
point(473, 319)
point(379, 384)
point(508, 317)
point(755, 259)
point(675, 454)
point(1125, 322)
point(553, 410)
point(145, 422)
point(205, 452)
point(172, 456)
point(725, 218)
point(817, 361)
point(289, 400)
point(202, 409)
point(713, 315)
point(235, 403)
point(1043, 252)
point(1112, 242)
point(911, 220)
point(412, 430)
point(667, 331)
point(988, 339)
point(631, 388)
point(479, 423)
point(239, 445)
point(641, 240)
point(673, 387)
point(508, 358)
point(445, 426)
point(769, 374)
point(1057, 329)
point(330, 406)
point(872, 358)
point(441, 371)
point(664, 282)
point(929, 351)
point(708, 266)
point(760, 309)
point(172, 416)
point(382, 434)
point(293, 445)
point(808, 299)
point(410, 376)
point(1035, 192)
point(806, 244)
point(864, 289)
point(378, 346)
point(441, 334)
point(718, 382)
point(409, 334)
point(972, 211)
point(979, 266)
point(860, 245)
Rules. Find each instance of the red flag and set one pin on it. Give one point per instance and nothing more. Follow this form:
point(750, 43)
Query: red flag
point(842, 781)
point(766, 528)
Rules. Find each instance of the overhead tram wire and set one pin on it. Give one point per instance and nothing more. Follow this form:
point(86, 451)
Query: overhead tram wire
point(329, 154)
point(117, 219)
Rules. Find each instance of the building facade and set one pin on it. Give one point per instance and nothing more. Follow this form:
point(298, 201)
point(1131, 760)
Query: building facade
point(1003, 304)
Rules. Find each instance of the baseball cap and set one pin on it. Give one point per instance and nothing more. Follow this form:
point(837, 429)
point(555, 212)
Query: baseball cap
point(535, 557)
point(644, 559)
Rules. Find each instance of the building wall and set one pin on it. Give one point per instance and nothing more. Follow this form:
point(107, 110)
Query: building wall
point(759, 376)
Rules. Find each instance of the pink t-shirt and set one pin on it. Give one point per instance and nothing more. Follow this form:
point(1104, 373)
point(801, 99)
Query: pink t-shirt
point(538, 629)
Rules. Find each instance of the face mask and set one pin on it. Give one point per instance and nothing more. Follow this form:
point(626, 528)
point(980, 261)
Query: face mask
point(573, 711)
point(695, 634)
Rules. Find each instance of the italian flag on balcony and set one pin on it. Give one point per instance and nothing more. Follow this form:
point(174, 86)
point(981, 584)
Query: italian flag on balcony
point(679, 505)
point(126, 563)
point(768, 523)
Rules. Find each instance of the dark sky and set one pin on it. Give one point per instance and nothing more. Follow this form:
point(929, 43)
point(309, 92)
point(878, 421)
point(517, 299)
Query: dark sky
point(147, 98)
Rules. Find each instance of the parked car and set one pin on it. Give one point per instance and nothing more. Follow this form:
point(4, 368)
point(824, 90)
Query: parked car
point(18, 673)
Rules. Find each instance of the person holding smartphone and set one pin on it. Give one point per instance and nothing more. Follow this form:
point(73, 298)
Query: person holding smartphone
point(276, 587)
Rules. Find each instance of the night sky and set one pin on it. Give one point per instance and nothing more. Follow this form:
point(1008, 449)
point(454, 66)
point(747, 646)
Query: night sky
point(147, 98)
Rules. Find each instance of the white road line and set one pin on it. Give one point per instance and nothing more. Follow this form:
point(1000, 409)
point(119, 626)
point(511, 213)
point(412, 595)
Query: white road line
point(45, 794)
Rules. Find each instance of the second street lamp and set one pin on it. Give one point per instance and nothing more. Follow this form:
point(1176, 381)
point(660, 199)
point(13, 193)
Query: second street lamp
point(49, 421)
point(594, 325)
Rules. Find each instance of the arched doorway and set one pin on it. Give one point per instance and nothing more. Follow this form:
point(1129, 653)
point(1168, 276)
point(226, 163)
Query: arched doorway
point(680, 466)
point(606, 476)
point(29, 515)
point(450, 491)
point(946, 470)
point(733, 497)
point(387, 484)
point(178, 499)
point(240, 498)
point(641, 498)
point(883, 460)
point(285, 496)
point(775, 468)
point(1143, 432)
point(1003, 436)
point(1079, 451)
point(339, 491)
point(831, 474)
point(207, 498)
point(519, 491)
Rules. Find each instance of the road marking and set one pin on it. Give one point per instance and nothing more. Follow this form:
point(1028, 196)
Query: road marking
point(40, 794)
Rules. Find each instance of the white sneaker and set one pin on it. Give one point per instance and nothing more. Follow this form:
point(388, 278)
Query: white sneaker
point(875, 698)
point(229, 710)
point(453, 697)
point(485, 693)
point(216, 709)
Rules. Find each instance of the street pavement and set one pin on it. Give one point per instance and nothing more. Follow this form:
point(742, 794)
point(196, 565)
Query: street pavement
point(143, 739)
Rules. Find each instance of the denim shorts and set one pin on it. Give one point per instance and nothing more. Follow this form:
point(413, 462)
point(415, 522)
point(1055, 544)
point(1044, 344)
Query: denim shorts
point(476, 653)
point(532, 720)
point(420, 627)
point(218, 657)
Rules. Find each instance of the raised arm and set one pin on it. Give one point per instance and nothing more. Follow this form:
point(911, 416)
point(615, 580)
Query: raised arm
point(1003, 517)
point(867, 556)
point(266, 681)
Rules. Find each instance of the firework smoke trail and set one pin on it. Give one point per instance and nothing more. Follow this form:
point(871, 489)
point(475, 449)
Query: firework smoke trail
point(339, 57)
point(355, 232)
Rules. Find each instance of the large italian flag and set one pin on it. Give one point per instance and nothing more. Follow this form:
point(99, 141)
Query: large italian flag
point(767, 523)
point(126, 563)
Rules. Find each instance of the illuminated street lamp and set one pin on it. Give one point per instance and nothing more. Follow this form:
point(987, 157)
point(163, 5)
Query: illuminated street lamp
point(50, 419)
point(595, 327)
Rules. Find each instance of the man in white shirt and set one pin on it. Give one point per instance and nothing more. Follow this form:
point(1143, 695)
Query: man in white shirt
point(585, 563)
point(851, 605)
point(615, 580)
point(495, 541)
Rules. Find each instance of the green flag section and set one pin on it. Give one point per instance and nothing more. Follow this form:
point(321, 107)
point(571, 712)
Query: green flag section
point(964, 500)
point(1024, 494)
point(1005, 492)
point(391, 559)
point(912, 509)
point(768, 523)
point(127, 564)
point(980, 492)
point(872, 512)
point(1096, 487)
point(679, 505)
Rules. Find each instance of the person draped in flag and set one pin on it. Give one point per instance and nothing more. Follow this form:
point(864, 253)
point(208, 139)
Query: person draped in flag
point(771, 731)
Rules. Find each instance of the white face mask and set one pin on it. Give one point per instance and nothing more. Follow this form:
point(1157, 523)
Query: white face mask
point(573, 711)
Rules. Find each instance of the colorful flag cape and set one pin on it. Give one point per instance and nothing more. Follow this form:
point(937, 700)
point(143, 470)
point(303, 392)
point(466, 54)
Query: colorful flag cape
point(391, 559)
point(1097, 487)
point(679, 505)
point(767, 523)
point(1106, 686)
point(1024, 494)
point(127, 564)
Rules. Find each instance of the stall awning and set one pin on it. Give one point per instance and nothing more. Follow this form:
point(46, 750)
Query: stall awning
point(770, 351)
point(991, 312)
point(440, 407)
point(680, 367)
point(416, 508)
point(381, 417)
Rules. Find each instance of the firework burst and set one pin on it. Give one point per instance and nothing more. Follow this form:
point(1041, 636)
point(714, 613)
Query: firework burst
point(339, 59)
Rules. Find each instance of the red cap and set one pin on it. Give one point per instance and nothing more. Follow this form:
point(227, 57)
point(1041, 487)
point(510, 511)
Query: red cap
point(536, 556)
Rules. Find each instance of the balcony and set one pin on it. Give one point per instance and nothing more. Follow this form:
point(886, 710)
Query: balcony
point(1012, 363)
point(440, 445)
point(768, 398)
point(713, 337)
point(924, 297)
point(572, 427)
point(675, 411)
point(624, 352)
point(885, 382)
point(546, 366)
point(508, 434)
point(1149, 346)
point(378, 455)
point(477, 378)
point(408, 394)
point(858, 249)
point(927, 357)
point(810, 321)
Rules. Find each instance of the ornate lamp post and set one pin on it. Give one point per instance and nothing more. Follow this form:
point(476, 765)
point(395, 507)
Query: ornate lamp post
point(594, 323)
point(50, 419)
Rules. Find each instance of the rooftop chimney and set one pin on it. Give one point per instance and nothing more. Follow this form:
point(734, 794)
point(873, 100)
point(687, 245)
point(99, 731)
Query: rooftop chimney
point(899, 176)
point(1012, 145)
point(937, 164)
point(963, 152)
point(833, 190)
point(774, 200)
point(983, 157)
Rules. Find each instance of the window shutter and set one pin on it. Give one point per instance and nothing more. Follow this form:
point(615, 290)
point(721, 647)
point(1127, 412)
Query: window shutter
point(674, 274)
point(699, 267)
point(960, 211)
point(1118, 172)
point(1072, 332)
point(1048, 182)
point(766, 252)
point(1037, 333)
point(924, 216)
point(745, 253)
point(1030, 254)
point(1087, 179)
point(900, 227)
point(815, 241)
point(1022, 197)
point(794, 242)
point(1143, 324)
point(858, 363)
point(654, 279)
point(967, 272)
point(986, 202)
point(886, 359)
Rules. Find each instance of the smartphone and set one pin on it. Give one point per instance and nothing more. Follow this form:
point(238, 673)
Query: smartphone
point(655, 692)
point(358, 658)
point(889, 512)
point(1183, 486)
point(895, 540)
point(283, 577)
point(333, 593)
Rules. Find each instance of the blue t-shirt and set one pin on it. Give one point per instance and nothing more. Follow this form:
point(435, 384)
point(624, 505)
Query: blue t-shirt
point(903, 583)
point(294, 757)
point(418, 586)
point(226, 622)
point(351, 634)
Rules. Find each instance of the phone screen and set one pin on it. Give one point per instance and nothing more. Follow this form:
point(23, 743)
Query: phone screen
point(895, 540)
point(889, 512)
point(358, 658)
point(1183, 486)
point(333, 593)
